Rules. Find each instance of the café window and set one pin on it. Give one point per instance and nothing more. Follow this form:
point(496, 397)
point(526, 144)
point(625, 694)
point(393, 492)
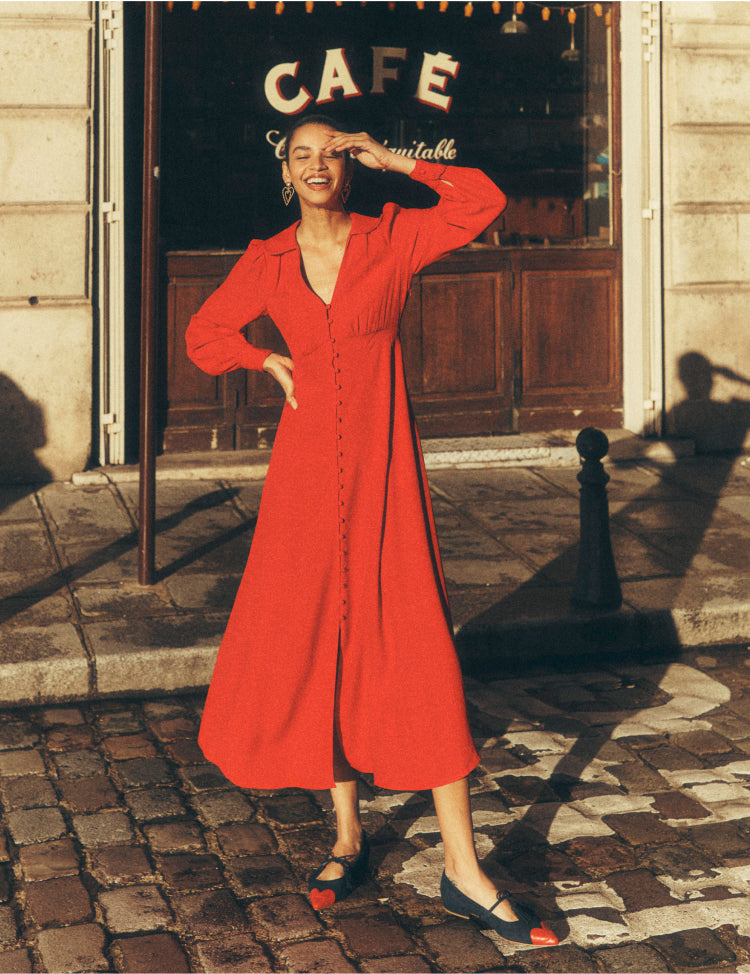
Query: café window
point(522, 91)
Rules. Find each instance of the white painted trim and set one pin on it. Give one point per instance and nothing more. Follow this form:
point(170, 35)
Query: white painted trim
point(111, 297)
point(643, 354)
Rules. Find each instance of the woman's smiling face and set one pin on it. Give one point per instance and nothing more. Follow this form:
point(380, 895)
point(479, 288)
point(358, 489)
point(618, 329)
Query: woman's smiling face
point(318, 176)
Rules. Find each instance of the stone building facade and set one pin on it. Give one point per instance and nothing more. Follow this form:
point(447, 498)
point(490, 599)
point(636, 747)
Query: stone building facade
point(47, 305)
point(706, 178)
point(696, 345)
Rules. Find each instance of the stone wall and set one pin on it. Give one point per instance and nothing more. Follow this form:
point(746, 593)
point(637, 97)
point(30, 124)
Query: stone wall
point(706, 101)
point(46, 119)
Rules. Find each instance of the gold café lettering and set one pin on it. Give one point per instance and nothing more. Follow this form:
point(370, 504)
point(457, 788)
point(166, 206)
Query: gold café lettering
point(434, 75)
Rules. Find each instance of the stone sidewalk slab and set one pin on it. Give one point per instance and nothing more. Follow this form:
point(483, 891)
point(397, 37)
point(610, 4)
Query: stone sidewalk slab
point(75, 624)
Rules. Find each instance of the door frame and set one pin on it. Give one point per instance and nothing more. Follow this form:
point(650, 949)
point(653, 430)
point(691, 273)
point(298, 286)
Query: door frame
point(641, 241)
point(642, 237)
point(111, 233)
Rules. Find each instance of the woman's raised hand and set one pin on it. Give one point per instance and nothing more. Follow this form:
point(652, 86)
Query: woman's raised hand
point(281, 368)
point(370, 153)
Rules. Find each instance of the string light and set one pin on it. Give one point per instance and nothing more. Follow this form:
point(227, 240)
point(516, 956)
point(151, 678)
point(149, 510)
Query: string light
point(569, 11)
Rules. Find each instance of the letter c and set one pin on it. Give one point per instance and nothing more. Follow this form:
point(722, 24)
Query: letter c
point(288, 106)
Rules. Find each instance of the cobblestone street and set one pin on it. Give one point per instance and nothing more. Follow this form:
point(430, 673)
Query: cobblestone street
point(615, 799)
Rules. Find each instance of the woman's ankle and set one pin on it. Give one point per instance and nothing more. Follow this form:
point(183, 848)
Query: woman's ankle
point(349, 835)
point(467, 875)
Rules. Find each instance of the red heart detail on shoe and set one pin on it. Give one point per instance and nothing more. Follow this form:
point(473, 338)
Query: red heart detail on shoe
point(320, 899)
point(542, 936)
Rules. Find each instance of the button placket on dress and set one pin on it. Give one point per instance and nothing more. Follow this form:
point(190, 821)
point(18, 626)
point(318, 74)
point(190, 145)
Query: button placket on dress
point(342, 525)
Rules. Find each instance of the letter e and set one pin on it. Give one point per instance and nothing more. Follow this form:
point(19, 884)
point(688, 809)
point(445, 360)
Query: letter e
point(434, 77)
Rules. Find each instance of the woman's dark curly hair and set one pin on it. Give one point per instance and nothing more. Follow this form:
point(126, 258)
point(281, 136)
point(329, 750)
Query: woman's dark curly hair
point(307, 120)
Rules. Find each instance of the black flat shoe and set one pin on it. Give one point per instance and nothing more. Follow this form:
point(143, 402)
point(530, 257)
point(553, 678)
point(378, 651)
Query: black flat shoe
point(326, 892)
point(527, 929)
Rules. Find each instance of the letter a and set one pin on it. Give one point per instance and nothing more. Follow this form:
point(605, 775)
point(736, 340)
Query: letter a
point(336, 74)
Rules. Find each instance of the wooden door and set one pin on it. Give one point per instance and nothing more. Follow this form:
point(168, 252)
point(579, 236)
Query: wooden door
point(494, 341)
point(457, 343)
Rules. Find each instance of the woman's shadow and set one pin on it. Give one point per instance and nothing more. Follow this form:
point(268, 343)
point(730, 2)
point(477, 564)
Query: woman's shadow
point(715, 425)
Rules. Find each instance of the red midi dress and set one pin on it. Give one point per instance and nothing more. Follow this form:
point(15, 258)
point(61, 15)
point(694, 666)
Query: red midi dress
point(341, 622)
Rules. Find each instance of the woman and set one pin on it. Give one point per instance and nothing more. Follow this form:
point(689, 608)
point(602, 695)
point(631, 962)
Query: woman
point(338, 653)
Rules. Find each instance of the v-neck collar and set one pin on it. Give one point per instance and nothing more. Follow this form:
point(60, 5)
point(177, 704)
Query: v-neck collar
point(285, 241)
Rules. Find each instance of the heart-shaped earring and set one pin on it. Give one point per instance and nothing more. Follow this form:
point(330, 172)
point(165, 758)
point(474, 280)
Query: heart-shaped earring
point(287, 193)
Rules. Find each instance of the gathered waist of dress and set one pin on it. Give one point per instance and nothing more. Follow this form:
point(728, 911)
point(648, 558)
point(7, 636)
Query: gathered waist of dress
point(342, 342)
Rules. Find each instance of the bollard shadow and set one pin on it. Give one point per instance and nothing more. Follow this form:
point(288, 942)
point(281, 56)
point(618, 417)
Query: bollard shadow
point(668, 522)
point(664, 526)
point(22, 433)
point(65, 576)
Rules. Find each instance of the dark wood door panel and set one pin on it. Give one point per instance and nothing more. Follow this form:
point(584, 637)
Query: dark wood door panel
point(260, 390)
point(567, 334)
point(460, 315)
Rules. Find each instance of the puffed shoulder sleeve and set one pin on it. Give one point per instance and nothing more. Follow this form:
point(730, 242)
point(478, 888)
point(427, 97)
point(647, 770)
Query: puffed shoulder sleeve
point(469, 202)
point(213, 337)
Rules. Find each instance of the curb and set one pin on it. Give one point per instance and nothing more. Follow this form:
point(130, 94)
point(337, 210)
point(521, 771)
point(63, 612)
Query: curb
point(63, 670)
point(478, 453)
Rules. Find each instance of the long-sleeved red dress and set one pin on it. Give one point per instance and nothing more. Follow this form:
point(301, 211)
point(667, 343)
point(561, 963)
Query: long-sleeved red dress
point(341, 621)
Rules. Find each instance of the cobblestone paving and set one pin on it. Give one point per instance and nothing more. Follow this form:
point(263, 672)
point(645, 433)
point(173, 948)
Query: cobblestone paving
point(615, 799)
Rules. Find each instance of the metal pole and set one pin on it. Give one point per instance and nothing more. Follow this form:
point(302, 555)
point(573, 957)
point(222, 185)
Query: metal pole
point(149, 292)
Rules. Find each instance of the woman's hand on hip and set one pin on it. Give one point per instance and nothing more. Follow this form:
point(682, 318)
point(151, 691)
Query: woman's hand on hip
point(370, 153)
point(281, 368)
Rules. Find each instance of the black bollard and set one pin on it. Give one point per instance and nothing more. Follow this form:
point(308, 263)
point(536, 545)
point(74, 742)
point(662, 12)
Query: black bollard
point(596, 584)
